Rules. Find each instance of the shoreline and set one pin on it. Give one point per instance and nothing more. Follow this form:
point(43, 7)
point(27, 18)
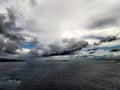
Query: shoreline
point(11, 60)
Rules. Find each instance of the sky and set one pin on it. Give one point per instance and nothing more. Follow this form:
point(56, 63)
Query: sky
point(63, 24)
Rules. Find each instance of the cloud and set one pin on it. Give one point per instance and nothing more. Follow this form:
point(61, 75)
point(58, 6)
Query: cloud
point(110, 39)
point(94, 37)
point(53, 20)
point(33, 3)
point(108, 18)
point(8, 27)
point(11, 47)
point(63, 18)
point(101, 23)
point(65, 47)
point(9, 36)
point(7, 45)
point(2, 44)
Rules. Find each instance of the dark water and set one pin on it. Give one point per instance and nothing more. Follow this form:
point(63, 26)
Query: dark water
point(50, 75)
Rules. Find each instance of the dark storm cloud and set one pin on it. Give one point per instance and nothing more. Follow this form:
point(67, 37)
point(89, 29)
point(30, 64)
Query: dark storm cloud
point(8, 27)
point(2, 43)
point(11, 46)
point(110, 38)
point(66, 47)
point(9, 31)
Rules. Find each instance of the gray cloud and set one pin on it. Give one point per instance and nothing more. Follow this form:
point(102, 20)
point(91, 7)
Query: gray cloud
point(58, 19)
point(107, 19)
point(108, 39)
point(8, 28)
point(8, 47)
point(53, 20)
point(33, 3)
point(101, 23)
point(94, 37)
point(11, 46)
point(66, 47)
point(9, 36)
point(2, 43)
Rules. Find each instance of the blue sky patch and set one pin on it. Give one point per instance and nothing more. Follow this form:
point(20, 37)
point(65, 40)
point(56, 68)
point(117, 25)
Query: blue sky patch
point(27, 45)
point(109, 47)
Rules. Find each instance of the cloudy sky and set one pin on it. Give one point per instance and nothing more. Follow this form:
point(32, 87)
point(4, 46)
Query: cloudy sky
point(51, 20)
point(54, 20)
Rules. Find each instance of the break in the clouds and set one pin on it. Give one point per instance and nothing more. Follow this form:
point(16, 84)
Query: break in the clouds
point(51, 21)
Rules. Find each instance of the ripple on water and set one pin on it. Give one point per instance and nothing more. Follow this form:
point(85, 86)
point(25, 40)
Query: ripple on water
point(7, 83)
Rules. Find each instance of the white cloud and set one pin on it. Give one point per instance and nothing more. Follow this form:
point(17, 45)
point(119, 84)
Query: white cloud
point(51, 20)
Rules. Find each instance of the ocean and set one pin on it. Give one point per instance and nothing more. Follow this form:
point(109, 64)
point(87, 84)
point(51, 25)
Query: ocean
point(59, 75)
